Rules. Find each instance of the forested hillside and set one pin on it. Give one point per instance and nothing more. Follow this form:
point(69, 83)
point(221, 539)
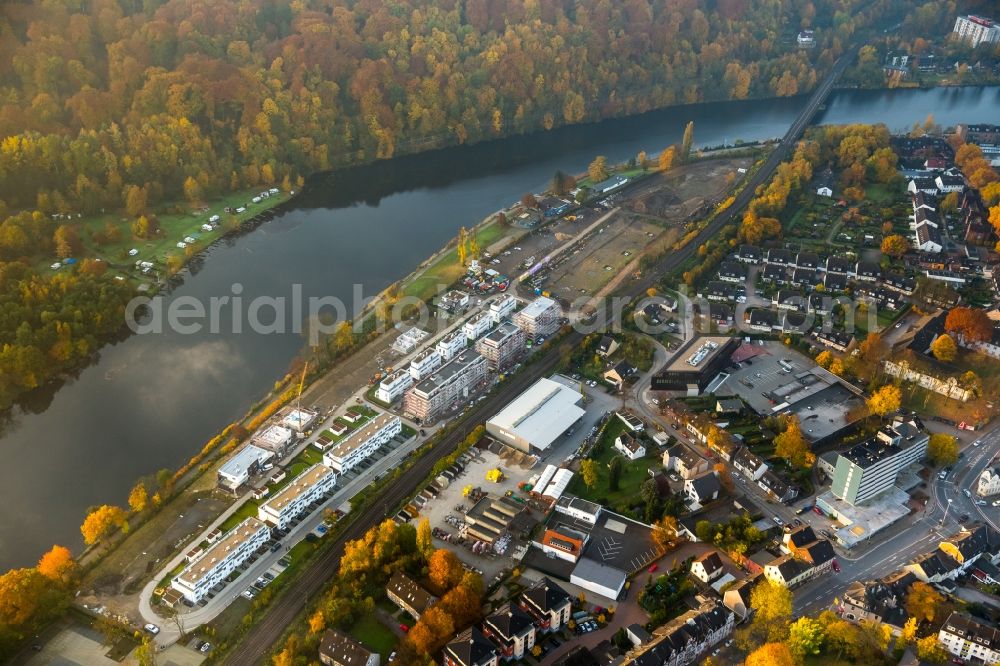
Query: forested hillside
point(100, 96)
point(144, 106)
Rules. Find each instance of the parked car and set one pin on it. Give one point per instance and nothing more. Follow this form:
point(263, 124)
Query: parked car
point(205, 647)
point(836, 567)
point(152, 628)
point(653, 568)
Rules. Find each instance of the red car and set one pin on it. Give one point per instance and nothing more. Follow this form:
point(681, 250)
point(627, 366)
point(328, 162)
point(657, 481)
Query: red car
point(404, 628)
point(818, 510)
point(653, 568)
point(836, 567)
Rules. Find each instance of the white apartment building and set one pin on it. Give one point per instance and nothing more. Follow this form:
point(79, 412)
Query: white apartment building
point(452, 382)
point(870, 468)
point(479, 324)
point(502, 308)
point(362, 443)
point(394, 385)
point(452, 345)
point(502, 346)
point(425, 363)
point(968, 639)
point(976, 30)
point(293, 499)
point(989, 482)
point(244, 463)
point(212, 568)
point(539, 317)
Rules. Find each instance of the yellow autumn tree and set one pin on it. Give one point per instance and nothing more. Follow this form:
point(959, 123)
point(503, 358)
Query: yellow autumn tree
point(100, 521)
point(885, 400)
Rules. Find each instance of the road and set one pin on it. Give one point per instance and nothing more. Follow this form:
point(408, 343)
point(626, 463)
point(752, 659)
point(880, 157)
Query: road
point(258, 643)
point(915, 535)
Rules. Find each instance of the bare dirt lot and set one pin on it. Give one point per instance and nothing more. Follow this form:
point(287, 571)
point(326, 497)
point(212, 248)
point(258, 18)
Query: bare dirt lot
point(682, 192)
point(599, 257)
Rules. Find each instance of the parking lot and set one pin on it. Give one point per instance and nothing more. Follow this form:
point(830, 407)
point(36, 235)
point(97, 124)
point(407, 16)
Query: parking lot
point(445, 512)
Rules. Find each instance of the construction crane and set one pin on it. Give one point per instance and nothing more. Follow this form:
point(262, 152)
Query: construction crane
point(302, 382)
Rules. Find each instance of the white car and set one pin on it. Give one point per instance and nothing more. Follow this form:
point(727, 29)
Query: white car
point(181, 244)
point(241, 209)
point(152, 628)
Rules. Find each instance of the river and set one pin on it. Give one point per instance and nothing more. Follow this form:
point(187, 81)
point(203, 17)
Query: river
point(151, 401)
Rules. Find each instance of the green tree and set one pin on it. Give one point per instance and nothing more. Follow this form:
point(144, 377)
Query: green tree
point(589, 472)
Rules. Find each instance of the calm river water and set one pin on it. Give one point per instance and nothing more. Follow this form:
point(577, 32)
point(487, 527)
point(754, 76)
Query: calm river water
point(151, 401)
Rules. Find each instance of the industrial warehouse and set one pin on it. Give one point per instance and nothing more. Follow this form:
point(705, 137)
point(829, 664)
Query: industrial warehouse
point(537, 417)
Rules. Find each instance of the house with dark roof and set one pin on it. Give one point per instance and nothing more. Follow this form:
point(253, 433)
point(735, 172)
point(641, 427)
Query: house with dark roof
point(804, 278)
point(685, 461)
point(819, 303)
point(720, 314)
point(717, 290)
point(904, 284)
point(968, 545)
point(780, 257)
point(796, 323)
point(970, 639)
point(512, 630)
point(868, 271)
point(629, 446)
point(702, 489)
point(772, 484)
point(807, 260)
point(838, 265)
point(925, 201)
point(749, 464)
point(788, 571)
point(408, 595)
point(833, 282)
point(338, 649)
point(707, 567)
point(928, 238)
point(732, 271)
point(607, 346)
point(728, 406)
point(879, 600)
point(547, 603)
point(922, 184)
point(948, 183)
point(748, 254)
point(737, 597)
point(838, 340)
point(619, 373)
point(683, 639)
point(788, 299)
point(762, 320)
point(756, 561)
point(933, 567)
point(470, 648)
point(774, 274)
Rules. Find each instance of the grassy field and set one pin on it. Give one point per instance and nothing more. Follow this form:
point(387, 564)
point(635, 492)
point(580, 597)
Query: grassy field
point(447, 269)
point(247, 509)
point(174, 228)
point(633, 472)
point(373, 634)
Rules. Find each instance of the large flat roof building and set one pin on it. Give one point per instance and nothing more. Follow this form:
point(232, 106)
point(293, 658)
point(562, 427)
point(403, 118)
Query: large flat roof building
point(696, 364)
point(233, 549)
point(534, 419)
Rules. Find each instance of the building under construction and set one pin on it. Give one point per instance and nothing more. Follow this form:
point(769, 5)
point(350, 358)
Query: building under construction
point(491, 518)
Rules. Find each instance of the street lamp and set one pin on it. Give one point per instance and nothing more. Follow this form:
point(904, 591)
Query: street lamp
point(947, 506)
